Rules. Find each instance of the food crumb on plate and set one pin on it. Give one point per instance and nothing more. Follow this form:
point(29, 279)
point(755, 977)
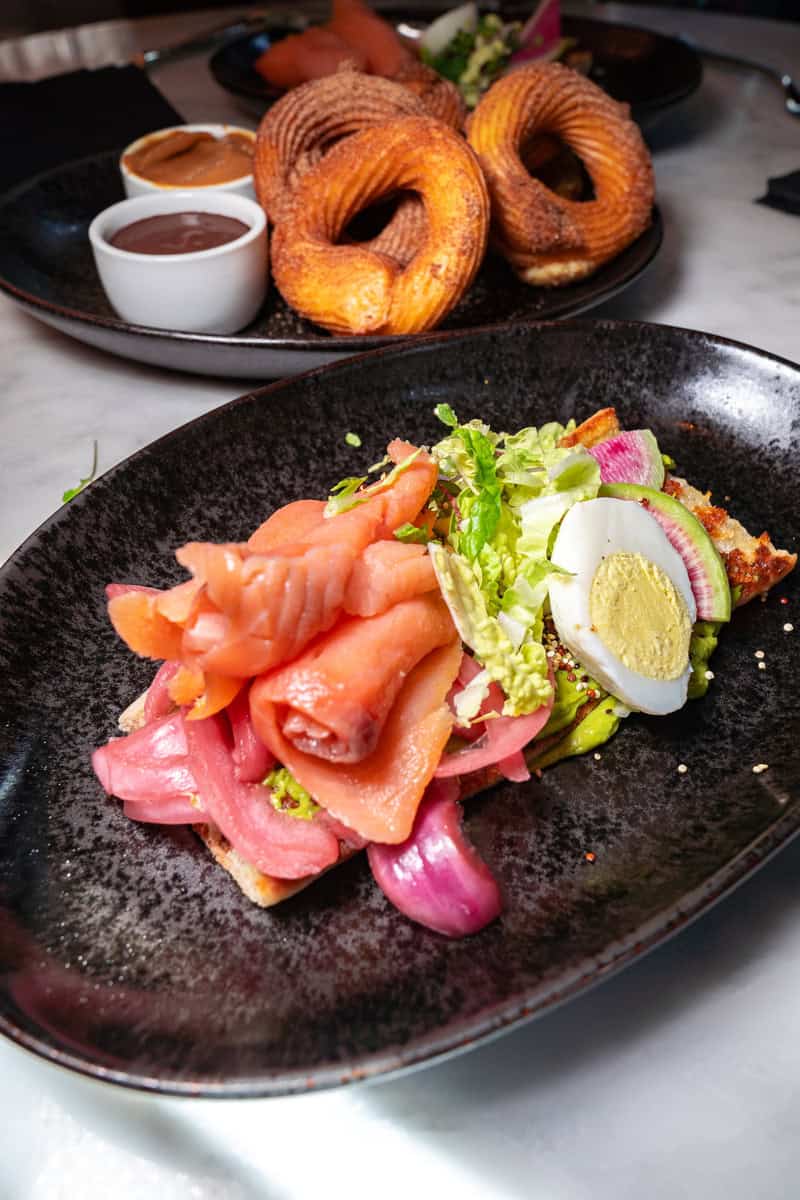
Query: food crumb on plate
point(759, 767)
point(682, 768)
point(788, 627)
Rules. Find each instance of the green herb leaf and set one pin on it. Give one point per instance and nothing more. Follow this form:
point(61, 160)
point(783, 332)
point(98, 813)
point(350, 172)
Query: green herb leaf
point(446, 415)
point(346, 495)
point(480, 512)
point(71, 493)
point(352, 439)
point(288, 796)
point(412, 533)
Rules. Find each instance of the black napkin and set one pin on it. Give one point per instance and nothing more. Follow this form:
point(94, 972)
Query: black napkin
point(783, 192)
point(47, 123)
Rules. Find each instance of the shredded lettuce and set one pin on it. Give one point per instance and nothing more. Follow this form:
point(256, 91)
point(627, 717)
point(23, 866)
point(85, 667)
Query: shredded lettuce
point(412, 533)
point(507, 494)
point(521, 672)
point(474, 58)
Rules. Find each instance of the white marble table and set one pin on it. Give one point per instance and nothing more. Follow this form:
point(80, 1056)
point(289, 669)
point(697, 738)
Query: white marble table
point(680, 1077)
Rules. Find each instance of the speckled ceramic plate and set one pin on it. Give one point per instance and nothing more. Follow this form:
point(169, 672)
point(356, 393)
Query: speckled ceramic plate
point(46, 266)
point(127, 954)
point(646, 70)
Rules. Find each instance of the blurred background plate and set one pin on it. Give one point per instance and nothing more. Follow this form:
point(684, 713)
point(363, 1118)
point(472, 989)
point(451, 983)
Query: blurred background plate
point(646, 70)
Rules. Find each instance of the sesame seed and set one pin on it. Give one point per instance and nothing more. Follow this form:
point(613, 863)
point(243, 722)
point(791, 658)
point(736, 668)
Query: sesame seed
point(709, 674)
point(682, 768)
point(762, 666)
point(759, 767)
point(788, 627)
point(597, 757)
point(759, 654)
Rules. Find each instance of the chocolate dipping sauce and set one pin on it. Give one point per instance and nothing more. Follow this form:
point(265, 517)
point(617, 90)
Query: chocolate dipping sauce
point(178, 233)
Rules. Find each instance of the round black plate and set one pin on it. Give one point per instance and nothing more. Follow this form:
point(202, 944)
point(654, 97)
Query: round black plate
point(127, 954)
point(647, 70)
point(46, 265)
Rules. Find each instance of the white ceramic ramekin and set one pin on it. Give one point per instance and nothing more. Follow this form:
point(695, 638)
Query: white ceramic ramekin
point(139, 185)
point(208, 291)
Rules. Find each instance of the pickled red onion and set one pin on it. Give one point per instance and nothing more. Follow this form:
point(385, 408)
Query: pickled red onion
point(504, 737)
point(436, 877)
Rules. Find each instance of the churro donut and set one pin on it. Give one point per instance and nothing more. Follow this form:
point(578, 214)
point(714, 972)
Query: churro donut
point(354, 289)
point(441, 98)
point(550, 239)
point(303, 126)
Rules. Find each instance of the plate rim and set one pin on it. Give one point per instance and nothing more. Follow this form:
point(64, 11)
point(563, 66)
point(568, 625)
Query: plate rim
point(442, 1042)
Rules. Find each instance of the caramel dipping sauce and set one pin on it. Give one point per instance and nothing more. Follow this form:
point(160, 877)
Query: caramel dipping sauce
point(178, 233)
point(184, 158)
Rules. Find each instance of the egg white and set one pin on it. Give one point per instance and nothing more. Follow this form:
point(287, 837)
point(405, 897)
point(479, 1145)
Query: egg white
point(591, 531)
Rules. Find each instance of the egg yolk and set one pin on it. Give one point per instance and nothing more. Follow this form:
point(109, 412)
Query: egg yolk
point(640, 615)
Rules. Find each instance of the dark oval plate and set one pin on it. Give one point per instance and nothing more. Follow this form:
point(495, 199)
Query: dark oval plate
point(46, 266)
point(127, 954)
point(647, 70)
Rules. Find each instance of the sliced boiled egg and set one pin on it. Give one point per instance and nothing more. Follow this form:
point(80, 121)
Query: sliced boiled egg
point(626, 609)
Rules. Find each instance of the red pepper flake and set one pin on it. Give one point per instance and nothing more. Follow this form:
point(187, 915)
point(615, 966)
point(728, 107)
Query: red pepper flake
point(591, 694)
point(590, 856)
point(784, 599)
point(571, 676)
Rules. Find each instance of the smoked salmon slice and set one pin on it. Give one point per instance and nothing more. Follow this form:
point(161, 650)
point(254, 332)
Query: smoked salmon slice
point(335, 697)
point(387, 573)
point(287, 526)
point(379, 796)
point(309, 55)
point(360, 27)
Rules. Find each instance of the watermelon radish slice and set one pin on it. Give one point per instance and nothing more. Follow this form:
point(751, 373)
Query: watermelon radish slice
point(630, 457)
point(707, 573)
point(540, 37)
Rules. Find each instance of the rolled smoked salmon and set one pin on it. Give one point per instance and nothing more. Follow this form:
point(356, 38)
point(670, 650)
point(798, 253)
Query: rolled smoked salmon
point(379, 796)
point(335, 698)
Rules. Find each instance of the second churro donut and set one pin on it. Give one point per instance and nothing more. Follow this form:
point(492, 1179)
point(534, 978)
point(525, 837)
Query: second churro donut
point(547, 238)
point(353, 289)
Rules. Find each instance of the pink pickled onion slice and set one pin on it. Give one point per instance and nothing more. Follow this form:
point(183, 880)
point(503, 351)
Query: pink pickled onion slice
point(514, 768)
point(157, 701)
point(503, 739)
point(251, 758)
point(436, 877)
point(157, 811)
point(149, 764)
point(274, 842)
point(541, 33)
point(120, 589)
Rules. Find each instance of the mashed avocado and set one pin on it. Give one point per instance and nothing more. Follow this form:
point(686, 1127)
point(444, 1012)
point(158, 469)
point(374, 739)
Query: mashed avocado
point(640, 615)
point(701, 647)
point(595, 729)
